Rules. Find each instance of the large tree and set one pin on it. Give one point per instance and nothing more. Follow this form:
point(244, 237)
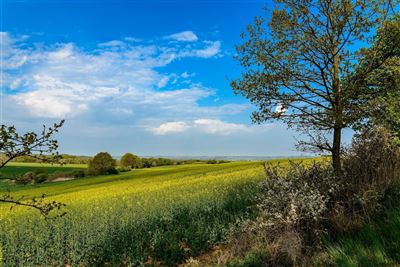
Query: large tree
point(102, 163)
point(298, 65)
point(130, 160)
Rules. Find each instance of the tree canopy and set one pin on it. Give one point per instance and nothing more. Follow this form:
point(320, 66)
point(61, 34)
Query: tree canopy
point(299, 66)
point(102, 163)
point(380, 88)
point(130, 160)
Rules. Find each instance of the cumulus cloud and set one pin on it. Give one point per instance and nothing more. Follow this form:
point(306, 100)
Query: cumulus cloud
point(208, 126)
point(215, 126)
point(185, 36)
point(63, 80)
point(170, 127)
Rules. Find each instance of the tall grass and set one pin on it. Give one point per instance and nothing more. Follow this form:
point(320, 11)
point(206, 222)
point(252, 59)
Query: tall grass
point(377, 243)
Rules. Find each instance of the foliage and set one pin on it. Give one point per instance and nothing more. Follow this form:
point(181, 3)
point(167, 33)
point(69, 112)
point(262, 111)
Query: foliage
point(64, 159)
point(370, 166)
point(382, 103)
point(78, 173)
point(214, 161)
point(40, 178)
point(25, 179)
point(294, 202)
point(252, 259)
point(299, 66)
point(302, 205)
point(154, 162)
point(130, 161)
point(14, 145)
point(376, 244)
point(40, 146)
point(102, 163)
point(44, 207)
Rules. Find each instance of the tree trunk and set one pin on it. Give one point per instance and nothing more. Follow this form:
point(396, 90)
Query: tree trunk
point(338, 113)
point(336, 150)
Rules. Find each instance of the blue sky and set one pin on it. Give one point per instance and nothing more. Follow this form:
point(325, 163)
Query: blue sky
point(149, 77)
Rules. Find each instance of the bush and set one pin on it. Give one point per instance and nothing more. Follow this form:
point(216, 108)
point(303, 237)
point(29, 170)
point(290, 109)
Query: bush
point(122, 169)
point(40, 178)
point(112, 171)
point(293, 204)
point(300, 205)
point(370, 166)
point(25, 179)
point(78, 173)
point(102, 163)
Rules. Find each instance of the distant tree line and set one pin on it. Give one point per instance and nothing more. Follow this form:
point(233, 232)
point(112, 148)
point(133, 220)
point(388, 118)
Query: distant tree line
point(64, 159)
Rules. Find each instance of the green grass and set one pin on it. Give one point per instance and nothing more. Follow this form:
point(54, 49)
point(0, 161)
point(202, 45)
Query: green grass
point(17, 168)
point(377, 244)
point(165, 213)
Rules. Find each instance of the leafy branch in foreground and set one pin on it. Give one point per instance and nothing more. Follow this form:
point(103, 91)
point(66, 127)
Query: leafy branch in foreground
point(14, 145)
point(40, 146)
point(37, 203)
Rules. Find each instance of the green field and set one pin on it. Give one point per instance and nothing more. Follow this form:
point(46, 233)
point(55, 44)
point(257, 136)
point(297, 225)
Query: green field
point(166, 214)
point(18, 168)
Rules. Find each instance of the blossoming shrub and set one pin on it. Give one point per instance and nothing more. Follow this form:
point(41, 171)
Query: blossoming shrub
point(301, 205)
point(293, 204)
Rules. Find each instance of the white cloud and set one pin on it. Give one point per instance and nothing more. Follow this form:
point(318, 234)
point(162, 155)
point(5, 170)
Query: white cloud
point(208, 126)
point(115, 83)
point(163, 82)
point(215, 126)
point(62, 53)
point(186, 36)
point(212, 49)
point(170, 127)
point(112, 43)
point(132, 39)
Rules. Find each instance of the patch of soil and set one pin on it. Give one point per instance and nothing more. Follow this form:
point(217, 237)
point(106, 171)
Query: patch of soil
point(62, 179)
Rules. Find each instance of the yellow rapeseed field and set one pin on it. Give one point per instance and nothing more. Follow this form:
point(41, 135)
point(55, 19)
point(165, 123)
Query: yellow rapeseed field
point(164, 214)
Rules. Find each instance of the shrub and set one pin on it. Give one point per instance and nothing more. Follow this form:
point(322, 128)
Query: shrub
point(40, 178)
point(78, 173)
point(102, 163)
point(370, 166)
point(293, 203)
point(300, 205)
point(27, 178)
point(112, 171)
point(40, 171)
point(122, 169)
